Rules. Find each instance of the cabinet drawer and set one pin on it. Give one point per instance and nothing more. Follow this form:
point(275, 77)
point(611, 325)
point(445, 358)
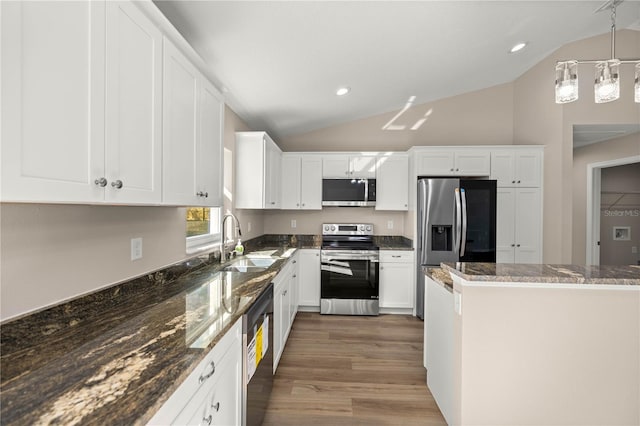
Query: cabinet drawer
point(193, 383)
point(396, 256)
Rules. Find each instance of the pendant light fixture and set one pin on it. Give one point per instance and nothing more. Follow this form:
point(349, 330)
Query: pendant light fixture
point(607, 71)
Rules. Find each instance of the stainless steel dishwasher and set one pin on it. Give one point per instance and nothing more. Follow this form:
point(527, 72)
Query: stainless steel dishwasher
point(257, 357)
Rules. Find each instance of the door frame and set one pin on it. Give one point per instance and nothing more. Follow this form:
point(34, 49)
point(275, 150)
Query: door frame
point(594, 184)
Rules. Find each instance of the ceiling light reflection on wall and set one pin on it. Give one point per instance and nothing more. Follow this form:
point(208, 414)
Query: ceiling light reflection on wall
point(343, 91)
point(607, 82)
point(518, 47)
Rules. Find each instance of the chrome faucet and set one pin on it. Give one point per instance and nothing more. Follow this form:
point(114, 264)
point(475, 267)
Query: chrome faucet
point(223, 247)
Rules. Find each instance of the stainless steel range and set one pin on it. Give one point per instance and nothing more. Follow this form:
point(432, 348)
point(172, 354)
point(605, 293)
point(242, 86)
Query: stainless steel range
point(349, 270)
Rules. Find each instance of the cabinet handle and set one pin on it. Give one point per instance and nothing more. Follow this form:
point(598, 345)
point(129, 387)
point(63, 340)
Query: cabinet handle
point(199, 194)
point(518, 181)
point(273, 202)
point(206, 195)
point(206, 376)
point(513, 245)
point(216, 406)
point(297, 204)
point(451, 170)
point(284, 293)
point(208, 420)
point(517, 245)
point(396, 256)
point(295, 261)
point(303, 204)
point(102, 182)
point(457, 170)
point(117, 184)
point(381, 267)
point(294, 275)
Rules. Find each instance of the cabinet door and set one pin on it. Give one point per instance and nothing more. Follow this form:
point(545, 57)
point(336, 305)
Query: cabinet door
point(272, 179)
point(528, 225)
point(309, 278)
point(392, 183)
point(180, 133)
point(281, 318)
point(294, 289)
point(435, 163)
point(311, 183)
point(53, 62)
point(472, 163)
point(249, 170)
point(209, 154)
point(505, 222)
point(335, 167)
point(528, 169)
point(133, 139)
point(503, 168)
point(396, 285)
point(363, 166)
point(291, 182)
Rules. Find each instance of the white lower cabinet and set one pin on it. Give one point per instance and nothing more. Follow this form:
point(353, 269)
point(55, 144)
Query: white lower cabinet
point(438, 345)
point(519, 231)
point(396, 279)
point(284, 306)
point(309, 279)
point(212, 394)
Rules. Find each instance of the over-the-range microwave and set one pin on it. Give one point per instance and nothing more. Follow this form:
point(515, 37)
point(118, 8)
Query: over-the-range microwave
point(349, 192)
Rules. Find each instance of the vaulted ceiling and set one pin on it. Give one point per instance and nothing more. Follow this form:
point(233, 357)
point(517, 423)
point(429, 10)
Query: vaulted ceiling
point(280, 62)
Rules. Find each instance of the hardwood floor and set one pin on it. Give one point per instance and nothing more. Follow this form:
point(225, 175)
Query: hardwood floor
point(350, 370)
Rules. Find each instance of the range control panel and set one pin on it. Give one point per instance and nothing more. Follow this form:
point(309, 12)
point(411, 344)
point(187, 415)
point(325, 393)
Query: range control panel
point(347, 229)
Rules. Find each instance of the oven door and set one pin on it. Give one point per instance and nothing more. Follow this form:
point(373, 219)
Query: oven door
point(349, 282)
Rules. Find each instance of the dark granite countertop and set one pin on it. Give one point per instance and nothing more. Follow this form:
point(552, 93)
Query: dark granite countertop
point(440, 276)
point(541, 273)
point(115, 356)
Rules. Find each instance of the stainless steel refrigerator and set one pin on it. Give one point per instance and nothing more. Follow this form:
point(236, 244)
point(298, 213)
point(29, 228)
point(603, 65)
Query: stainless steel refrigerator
point(456, 223)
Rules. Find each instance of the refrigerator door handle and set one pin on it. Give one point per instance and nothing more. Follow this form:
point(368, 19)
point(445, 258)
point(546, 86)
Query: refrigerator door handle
point(457, 238)
point(463, 236)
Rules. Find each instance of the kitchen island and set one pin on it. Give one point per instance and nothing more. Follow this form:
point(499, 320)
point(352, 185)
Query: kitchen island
point(534, 344)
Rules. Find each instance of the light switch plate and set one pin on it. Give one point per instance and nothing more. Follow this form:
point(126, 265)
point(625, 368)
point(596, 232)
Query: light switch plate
point(136, 248)
point(293, 223)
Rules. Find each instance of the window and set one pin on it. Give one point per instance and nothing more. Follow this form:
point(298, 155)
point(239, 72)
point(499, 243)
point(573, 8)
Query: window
point(203, 227)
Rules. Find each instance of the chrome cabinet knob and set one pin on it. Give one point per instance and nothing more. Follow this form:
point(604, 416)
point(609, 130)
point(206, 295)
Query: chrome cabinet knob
point(117, 184)
point(518, 181)
point(513, 245)
point(102, 182)
point(517, 245)
point(216, 406)
point(207, 420)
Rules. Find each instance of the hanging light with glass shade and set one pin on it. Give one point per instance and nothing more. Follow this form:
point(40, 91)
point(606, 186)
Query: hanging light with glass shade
point(607, 71)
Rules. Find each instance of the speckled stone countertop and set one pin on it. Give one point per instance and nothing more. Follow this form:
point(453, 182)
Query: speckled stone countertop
point(536, 273)
point(115, 356)
point(440, 276)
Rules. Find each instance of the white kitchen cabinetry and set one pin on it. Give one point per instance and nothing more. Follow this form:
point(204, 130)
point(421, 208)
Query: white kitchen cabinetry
point(392, 182)
point(396, 280)
point(438, 345)
point(519, 225)
point(257, 171)
point(517, 168)
point(81, 103)
point(309, 279)
point(284, 307)
point(212, 393)
point(192, 131)
point(453, 162)
point(349, 166)
point(301, 182)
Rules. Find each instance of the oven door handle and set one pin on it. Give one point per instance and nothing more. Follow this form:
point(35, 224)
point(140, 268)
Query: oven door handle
point(328, 257)
point(338, 258)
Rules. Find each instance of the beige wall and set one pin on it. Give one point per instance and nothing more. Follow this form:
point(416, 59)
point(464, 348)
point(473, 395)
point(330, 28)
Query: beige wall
point(484, 117)
point(538, 120)
point(51, 253)
point(613, 149)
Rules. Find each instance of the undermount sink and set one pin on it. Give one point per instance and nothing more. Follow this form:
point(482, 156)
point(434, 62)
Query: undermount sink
point(249, 264)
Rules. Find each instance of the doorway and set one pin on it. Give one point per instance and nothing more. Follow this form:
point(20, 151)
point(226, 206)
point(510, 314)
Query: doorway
point(617, 205)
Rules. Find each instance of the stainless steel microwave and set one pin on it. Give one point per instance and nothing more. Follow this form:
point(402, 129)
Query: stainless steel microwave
point(349, 192)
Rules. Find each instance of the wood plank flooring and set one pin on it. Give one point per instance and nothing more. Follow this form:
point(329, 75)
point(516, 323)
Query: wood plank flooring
point(350, 370)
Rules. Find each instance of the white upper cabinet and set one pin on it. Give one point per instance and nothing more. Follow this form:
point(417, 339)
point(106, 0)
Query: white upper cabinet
point(53, 61)
point(392, 183)
point(133, 139)
point(192, 147)
point(453, 162)
point(349, 166)
point(517, 168)
point(301, 182)
point(257, 171)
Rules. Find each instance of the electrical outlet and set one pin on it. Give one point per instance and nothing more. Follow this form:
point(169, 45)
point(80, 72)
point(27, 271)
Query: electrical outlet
point(389, 224)
point(136, 248)
point(634, 249)
point(293, 223)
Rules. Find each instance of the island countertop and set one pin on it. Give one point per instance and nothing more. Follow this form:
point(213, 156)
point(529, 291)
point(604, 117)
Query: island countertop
point(545, 273)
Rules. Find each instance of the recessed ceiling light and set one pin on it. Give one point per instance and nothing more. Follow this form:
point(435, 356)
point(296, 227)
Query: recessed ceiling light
point(518, 47)
point(343, 91)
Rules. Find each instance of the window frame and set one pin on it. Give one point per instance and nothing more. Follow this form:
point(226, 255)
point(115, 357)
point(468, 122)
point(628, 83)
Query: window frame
point(197, 243)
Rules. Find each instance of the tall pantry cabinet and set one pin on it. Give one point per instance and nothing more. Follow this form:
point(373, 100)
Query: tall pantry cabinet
point(519, 204)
